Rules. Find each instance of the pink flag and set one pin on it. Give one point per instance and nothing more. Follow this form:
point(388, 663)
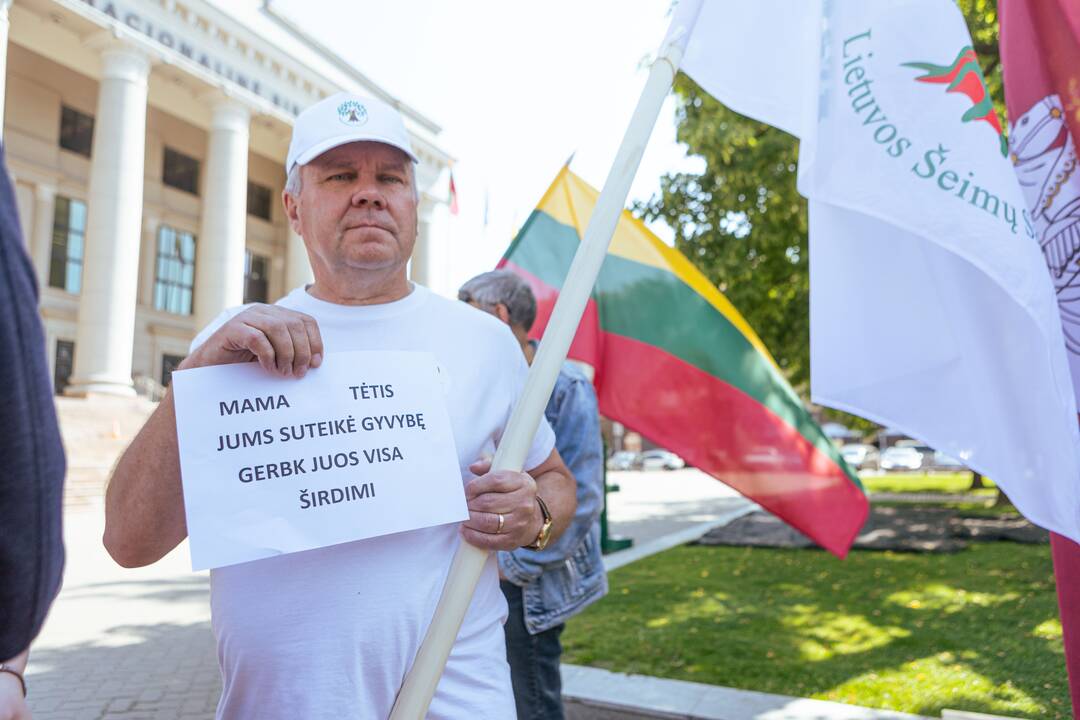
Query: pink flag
point(1040, 53)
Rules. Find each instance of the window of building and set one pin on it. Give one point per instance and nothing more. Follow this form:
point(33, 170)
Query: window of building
point(258, 201)
point(76, 131)
point(256, 277)
point(168, 364)
point(69, 233)
point(65, 361)
point(181, 171)
point(174, 280)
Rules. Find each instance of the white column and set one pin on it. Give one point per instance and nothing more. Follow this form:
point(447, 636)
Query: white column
point(5, 25)
point(420, 267)
point(41, 234)
point(103, 345)
point(297, 266)
point(219, 249)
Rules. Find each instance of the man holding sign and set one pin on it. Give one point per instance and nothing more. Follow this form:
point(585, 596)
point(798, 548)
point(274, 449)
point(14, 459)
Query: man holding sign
point(331, 632)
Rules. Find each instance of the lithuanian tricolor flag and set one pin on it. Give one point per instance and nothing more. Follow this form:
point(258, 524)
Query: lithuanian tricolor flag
point(676, 362)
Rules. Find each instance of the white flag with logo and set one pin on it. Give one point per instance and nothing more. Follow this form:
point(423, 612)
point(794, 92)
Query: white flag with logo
point(931, 309)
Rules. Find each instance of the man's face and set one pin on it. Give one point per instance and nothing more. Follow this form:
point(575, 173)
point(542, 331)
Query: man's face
point(356, 207)
point(498, 309)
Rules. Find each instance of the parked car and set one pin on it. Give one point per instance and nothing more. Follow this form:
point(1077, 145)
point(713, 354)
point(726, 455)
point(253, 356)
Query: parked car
point(861, 456)
point(623, 460)
point(769, 458)
point(901, 458)
point(933, 459)
point(838, 433)
point(661, 460)
point(947, 462)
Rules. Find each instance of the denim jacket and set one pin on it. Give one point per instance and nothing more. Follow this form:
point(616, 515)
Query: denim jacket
point(560, 580)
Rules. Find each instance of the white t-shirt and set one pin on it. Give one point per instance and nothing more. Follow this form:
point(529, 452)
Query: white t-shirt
point(330, 633)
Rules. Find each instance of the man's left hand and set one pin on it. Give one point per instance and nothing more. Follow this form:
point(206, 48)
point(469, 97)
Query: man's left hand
point(511, 495)
point(12, 703)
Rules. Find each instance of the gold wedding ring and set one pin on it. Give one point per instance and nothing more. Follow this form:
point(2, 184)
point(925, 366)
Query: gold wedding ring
point(501, 521)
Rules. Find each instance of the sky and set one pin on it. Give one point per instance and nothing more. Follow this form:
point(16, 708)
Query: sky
point(517, 87)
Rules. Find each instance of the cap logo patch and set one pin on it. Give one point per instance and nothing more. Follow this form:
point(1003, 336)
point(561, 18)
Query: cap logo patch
point(352, 113)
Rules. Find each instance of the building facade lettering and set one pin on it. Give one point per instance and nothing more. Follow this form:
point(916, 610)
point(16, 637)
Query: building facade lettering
point(182, 44)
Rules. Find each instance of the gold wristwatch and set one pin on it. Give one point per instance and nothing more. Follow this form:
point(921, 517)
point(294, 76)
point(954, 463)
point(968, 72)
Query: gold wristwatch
point(544, 535)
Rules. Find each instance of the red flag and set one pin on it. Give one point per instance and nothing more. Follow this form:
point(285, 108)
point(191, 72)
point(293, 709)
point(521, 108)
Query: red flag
point(1040, 54)
point(676, 362)
point(453, 195)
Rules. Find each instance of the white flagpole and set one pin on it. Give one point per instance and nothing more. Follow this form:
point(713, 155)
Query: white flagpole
point(419, 686)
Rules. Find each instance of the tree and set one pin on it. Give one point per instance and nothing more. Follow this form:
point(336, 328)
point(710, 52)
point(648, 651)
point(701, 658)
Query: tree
point(742, 221)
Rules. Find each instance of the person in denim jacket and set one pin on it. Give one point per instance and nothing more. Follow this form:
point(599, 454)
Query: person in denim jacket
point(544, 588)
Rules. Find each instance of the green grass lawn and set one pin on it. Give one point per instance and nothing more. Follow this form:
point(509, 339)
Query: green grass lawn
point(977, 508)
point(977, 630)
point(949, 483)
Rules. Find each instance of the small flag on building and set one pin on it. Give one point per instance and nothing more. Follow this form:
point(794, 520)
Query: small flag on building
point(453, 195)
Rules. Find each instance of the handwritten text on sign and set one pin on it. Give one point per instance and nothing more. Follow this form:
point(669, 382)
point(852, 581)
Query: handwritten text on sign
point(360, 447)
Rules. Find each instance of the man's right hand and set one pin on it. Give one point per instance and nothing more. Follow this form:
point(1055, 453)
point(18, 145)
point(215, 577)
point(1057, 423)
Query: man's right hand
point(144, 504)
point(12, 703)
point(284, 342)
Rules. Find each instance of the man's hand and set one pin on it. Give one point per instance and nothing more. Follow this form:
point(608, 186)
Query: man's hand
point(12, 703)
point(144, 503)
point(284, 342)
point(509, 494)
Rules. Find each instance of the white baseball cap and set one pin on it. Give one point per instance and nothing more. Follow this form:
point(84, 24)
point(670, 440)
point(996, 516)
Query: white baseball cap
point(341, 119)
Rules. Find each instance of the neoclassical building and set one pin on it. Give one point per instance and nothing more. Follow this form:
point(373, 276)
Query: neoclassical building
point(147, 140)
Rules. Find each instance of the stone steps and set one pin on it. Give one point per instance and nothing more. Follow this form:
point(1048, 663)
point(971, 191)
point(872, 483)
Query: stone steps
point(95, 431)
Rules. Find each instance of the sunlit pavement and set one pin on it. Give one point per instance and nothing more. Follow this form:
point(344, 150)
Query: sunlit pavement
point(134, 644)
point(124, 643)
point(658, 503)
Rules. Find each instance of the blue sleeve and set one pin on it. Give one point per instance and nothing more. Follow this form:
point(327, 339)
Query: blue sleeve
point(31, 454)
point(575, 418)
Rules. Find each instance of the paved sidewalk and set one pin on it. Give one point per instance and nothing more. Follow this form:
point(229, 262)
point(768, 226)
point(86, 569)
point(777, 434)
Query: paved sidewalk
point(136, 644)
point(659, 503)
point(595, 694)
point(124, 644)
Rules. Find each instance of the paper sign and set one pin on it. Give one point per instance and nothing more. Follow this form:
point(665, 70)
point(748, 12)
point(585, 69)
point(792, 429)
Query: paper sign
point(362, 446)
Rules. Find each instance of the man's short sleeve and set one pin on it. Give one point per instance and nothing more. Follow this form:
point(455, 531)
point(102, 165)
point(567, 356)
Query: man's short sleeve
point(225, 316)
point(544, 440)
